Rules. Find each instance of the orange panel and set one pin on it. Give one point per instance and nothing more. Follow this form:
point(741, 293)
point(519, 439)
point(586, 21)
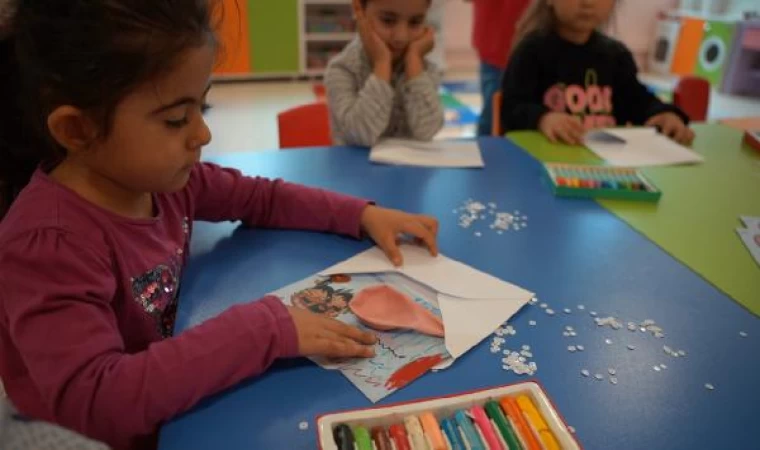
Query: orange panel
point(232, 28)
point(687, 51)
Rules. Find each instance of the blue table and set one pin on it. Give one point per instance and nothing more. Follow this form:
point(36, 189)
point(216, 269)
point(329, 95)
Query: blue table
point(573, 252)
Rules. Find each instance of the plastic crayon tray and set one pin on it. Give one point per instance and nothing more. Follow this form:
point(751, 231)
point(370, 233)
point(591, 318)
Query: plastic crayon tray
point(539, 427)
point(573, 180)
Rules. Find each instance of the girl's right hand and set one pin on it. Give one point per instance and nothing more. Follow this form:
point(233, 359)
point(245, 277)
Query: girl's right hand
point(561, 127)
point(323, 336)
point(378, 51)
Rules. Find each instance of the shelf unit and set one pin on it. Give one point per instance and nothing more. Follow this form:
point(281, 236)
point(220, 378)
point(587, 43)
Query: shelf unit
point(291, 38)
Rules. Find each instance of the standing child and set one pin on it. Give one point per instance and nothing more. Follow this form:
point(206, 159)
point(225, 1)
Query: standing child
point(493, 28)
point(565, 77)
point(381, 85)
point(94, 242)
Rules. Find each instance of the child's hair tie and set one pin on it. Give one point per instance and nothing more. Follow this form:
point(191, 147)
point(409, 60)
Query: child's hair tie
point(8, 10)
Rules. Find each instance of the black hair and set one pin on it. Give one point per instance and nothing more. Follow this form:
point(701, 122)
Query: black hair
point(89, 54)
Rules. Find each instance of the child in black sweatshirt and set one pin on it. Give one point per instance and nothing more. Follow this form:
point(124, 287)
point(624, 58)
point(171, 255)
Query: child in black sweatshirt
point(565, 77)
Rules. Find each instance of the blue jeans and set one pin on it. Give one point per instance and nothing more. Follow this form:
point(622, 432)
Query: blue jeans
point(490, 83)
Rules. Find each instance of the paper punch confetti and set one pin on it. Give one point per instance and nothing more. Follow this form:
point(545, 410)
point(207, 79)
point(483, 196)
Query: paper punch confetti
point(303, 426)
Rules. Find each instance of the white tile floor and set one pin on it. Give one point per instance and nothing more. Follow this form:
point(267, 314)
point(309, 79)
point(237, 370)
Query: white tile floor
point(243, 114)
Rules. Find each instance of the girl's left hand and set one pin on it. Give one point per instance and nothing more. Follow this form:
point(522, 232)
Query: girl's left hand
point(385, 226)
point(424, 44)
point(671, 125)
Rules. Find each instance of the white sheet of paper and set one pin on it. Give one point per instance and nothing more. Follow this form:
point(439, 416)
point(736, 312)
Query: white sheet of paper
point(638, 147)
point(404, 152)
point(752, 223)
point(473, 303)
point(751, 240)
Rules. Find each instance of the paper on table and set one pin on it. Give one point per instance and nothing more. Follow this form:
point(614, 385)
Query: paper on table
point(751, 239)
point(427, 154)
point(473, 304)
point(637, 147)
point(752, 223)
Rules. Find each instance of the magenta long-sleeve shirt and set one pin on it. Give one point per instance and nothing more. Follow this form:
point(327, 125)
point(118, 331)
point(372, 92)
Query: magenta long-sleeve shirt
point(88, 301)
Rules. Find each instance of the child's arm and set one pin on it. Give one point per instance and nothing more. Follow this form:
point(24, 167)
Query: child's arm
point(60, 311)
point(361, 113)
point(218, 194)
point(522, 100)
point(422, 104)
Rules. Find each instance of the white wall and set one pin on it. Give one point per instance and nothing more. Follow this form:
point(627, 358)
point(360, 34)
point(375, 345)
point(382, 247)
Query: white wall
point(634, 23)
point(457, 31)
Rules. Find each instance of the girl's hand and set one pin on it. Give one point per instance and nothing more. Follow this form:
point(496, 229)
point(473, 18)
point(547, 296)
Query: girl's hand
point(324, 336)
point(386, 226)
point(422, 45)
point(561, 127)
point(376, 49)
point(671, 125)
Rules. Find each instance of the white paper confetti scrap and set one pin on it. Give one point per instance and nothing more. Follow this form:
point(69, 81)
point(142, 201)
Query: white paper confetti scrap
point(549, 311)
point(543, 305)
point(585, 373)
point(599, 376)
point(303, 426)
point(581, 307)
point(532, 323)
point(612, 371)
point(613, 380)
point(709, 387)
point(631, 347)
point(519, 364)
point(478, 234)
point(608, 341)
point(571, 348)
point(743, 334)
point(567, 310)
point(580, 348)
point(657, 368)
point(608, 322)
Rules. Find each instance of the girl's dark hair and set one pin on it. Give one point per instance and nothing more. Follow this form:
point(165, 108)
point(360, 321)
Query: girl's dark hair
point(89, 54)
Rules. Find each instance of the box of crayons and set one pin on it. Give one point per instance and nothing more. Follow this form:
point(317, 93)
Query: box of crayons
point(518, 416)
point(573, 180)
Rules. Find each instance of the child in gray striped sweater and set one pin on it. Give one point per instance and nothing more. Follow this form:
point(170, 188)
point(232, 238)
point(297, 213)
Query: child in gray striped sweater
point(380, 85)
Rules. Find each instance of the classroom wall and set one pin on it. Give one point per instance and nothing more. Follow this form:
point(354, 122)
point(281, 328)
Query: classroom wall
point(634, 24)
point(636, 30)
point(457, 32)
